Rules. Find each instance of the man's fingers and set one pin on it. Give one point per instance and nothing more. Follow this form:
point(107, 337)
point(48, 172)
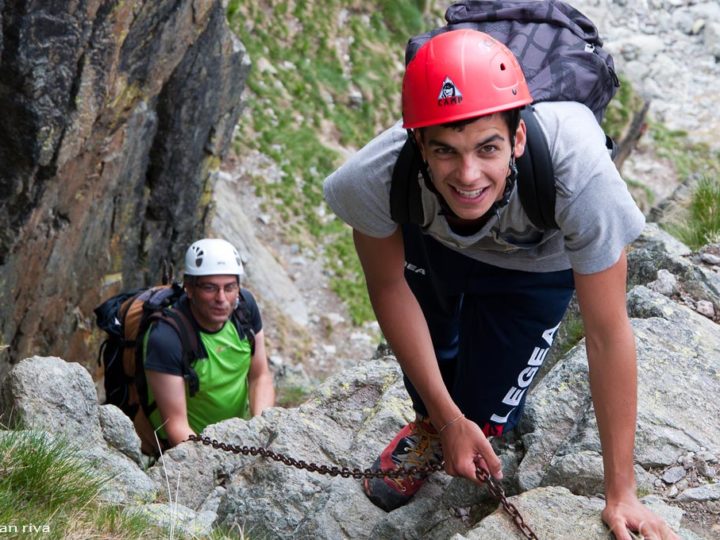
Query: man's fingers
point(657, 529)
point(463, 444)
point(469, 469)
point(619, 530)
point(625, 518)
point(463, 468)
point(495, 469)
point(480, 463)
point(490, 460)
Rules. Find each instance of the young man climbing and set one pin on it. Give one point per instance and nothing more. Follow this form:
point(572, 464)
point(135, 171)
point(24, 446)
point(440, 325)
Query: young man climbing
point(470, 299)
point(232, 380)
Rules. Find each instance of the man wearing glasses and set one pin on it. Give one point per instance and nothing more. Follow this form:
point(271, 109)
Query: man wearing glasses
point(234, 380)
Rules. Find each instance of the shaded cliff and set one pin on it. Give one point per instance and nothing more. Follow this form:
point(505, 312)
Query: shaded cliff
point(115, 117)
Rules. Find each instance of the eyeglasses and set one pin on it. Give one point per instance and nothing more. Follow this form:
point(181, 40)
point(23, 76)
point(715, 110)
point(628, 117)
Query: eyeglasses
point(211, 289)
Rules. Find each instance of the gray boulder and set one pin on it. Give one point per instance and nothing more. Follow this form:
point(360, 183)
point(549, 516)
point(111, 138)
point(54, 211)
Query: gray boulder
point(119, 432)
point(656, 255)
point(126, 483)
point(554, 512)
point(49, 394)
point(678, 359)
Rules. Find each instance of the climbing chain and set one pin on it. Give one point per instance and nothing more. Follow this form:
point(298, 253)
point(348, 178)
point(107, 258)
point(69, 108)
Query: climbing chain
point(494, 487)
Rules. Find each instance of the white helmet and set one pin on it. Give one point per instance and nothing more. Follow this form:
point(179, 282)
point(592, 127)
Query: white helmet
point(212, 256)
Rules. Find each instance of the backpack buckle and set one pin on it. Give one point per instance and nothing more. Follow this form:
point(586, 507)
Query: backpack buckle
point(192, 381)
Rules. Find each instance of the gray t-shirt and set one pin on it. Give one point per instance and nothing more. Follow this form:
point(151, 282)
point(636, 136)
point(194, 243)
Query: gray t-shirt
point(594, 210)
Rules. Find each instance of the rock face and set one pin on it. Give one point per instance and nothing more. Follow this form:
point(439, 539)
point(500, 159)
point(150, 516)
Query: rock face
point(114, 118)
point(678, 362)
point(552, 465)
point(651, 42)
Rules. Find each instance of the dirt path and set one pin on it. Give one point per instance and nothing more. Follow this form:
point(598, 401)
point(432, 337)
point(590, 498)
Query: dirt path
point(328, 342)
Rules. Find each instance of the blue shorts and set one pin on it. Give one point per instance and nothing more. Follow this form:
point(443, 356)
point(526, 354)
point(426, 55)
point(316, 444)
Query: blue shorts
point(491, 327)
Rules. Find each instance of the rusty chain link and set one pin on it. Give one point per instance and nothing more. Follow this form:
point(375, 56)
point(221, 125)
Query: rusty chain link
point(497, 491)
point(493, 485)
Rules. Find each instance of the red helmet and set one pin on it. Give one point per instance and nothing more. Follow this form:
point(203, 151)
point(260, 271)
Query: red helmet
point(458, 75)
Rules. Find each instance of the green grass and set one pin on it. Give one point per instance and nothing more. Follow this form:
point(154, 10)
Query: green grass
point(699, 166)
point(310, 60)
point(694, 163)
point(621, 109)
point(43, 482)
point(291, 396)
point(48, 490)
point(702, 223)
point(113, 522)
point(690, 159)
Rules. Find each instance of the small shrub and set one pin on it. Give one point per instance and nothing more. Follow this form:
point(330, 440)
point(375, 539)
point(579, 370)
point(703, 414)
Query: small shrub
point(702, 225)
point(621, 109)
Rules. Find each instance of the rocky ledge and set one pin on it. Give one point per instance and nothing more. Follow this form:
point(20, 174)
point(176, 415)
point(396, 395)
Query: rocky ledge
point(553, 465)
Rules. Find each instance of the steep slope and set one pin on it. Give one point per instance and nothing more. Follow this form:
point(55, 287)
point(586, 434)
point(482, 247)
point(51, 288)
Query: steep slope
point(326, 78)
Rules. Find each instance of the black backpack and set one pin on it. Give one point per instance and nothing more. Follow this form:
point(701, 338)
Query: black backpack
point(562, 58)
point(125, 318)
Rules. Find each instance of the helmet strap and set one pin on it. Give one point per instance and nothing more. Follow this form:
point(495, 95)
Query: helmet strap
point(510, 179)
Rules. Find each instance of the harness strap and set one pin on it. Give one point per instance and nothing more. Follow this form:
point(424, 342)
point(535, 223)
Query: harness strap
point(536, 178)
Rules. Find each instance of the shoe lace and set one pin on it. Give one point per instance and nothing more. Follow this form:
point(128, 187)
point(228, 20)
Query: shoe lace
point(423, 447)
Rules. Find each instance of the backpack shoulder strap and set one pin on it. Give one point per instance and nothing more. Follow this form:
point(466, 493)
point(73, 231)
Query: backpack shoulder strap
point(192, 347)
point(241, 320)
point(536, 178)
point(405, 195)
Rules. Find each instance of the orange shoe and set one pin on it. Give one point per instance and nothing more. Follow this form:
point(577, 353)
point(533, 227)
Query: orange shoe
point(415, 445)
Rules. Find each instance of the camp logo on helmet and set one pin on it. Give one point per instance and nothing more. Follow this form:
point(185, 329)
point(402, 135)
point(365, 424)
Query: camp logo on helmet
point(449, 93)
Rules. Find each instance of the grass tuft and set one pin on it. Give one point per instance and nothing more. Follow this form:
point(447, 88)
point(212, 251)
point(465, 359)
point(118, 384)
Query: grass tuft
point(40, 476)
point(292, 396)
point(701, 225)
point(698, 223)
point(49, 490)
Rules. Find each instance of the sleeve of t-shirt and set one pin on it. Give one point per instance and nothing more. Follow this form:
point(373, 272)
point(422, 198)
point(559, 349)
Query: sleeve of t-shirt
point(594, 209)
point(163, 350)
point(253, 311)
point(359, 191)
